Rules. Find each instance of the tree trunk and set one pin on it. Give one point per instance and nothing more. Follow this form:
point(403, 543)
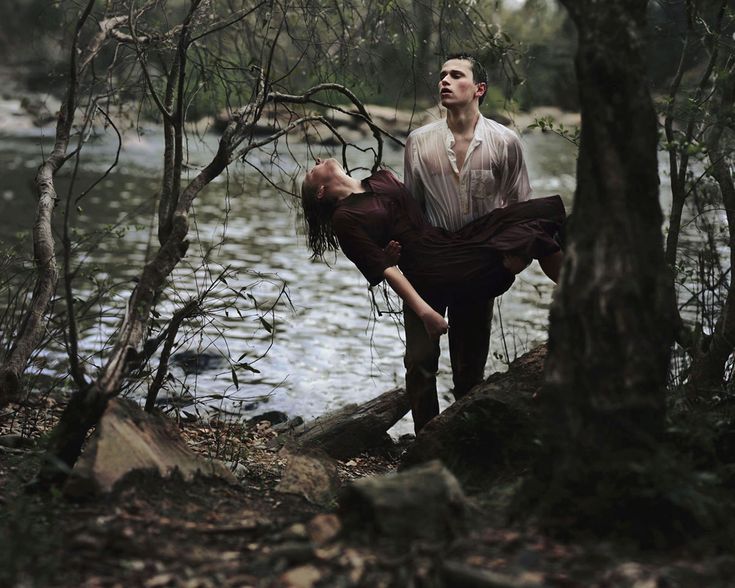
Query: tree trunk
point(708, 368)
point(34, 322)
point(611, 321)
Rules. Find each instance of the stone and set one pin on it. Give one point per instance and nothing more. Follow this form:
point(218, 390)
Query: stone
point(129, 440)
point(425, 502)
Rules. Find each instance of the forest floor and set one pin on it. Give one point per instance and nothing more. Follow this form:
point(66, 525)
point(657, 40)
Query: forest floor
point(206, 533)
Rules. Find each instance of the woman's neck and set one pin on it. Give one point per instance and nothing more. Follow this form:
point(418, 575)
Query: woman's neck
point(344, 186)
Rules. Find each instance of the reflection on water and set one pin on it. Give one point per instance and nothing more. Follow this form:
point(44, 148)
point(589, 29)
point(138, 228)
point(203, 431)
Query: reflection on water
point(327, 349)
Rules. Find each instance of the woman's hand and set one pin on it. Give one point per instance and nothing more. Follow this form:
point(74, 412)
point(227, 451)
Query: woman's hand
point(434, 323)
point(392, 252)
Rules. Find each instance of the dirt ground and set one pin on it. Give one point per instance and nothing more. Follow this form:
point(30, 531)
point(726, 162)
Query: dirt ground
point(158, 533)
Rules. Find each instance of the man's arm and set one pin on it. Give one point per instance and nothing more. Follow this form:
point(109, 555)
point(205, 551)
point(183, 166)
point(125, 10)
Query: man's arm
point(434, 323)
point(514, 184)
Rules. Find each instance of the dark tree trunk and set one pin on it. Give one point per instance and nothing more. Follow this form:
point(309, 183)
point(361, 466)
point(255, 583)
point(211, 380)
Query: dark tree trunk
point(611, 321)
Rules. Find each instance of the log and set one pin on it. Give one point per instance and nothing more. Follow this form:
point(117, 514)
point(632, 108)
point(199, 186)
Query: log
point(353, 429)
point(425, 502)
point(129, 440)
point(491, 429)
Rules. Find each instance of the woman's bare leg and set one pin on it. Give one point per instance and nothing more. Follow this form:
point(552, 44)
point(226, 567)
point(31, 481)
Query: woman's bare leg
point(551, 265)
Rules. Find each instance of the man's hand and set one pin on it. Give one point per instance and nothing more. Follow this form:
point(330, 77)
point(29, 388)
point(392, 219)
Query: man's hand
point(434, 324)
point(393, 252)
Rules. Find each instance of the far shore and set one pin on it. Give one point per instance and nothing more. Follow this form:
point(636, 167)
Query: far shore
point(23, 111)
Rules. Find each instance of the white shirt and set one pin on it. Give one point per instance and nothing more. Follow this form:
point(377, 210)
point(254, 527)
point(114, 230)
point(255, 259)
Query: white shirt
point(493, 174)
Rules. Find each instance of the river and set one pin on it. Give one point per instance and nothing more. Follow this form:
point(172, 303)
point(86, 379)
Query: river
point(326, 348)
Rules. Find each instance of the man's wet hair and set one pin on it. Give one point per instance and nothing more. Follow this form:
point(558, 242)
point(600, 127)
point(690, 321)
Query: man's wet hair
point(479, 74)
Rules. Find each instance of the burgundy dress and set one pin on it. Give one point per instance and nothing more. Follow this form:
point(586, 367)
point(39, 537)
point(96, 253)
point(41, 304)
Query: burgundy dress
point(440, 264)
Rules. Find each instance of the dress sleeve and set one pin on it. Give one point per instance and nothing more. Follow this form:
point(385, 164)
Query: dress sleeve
point(359, 248)
point(514, 184)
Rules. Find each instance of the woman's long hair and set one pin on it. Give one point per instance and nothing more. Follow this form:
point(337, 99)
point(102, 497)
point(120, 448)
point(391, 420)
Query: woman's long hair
point(318, 222)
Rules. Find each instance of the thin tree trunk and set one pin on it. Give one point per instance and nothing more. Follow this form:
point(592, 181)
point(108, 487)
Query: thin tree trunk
point(707, 370)
point(44, 255)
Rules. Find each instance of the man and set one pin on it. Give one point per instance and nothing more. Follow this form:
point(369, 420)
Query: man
point(458, 168)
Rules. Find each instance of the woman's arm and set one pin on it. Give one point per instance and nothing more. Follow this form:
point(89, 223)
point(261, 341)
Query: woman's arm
point(434, 323)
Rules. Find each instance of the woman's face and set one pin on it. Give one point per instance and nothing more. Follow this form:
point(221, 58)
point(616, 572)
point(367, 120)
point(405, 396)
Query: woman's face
point(322, 172)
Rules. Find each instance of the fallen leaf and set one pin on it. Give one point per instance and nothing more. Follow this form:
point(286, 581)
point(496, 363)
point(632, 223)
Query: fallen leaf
point(300, 577)
point(159, 580)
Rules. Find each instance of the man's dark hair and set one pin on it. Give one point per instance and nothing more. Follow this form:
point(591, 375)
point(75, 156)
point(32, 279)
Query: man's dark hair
point(479, 75)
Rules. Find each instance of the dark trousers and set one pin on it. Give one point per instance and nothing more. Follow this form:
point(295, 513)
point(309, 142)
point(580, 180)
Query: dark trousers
point(469, 343)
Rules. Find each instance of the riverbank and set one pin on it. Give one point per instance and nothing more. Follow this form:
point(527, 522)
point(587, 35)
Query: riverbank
point(158, 533)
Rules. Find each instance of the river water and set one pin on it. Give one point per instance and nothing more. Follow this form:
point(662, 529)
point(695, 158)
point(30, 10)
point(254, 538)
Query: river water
point(323, 346)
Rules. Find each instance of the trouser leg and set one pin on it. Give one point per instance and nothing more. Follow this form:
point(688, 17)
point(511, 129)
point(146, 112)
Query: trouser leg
point(422, 363)
point(469, 342)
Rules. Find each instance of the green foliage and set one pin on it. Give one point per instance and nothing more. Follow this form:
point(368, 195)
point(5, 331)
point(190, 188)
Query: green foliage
point(548, 125)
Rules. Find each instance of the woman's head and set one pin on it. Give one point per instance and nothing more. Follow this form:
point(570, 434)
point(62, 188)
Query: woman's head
point(318, 207)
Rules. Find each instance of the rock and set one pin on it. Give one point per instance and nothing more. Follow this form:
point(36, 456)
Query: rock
point(323, 528)
point(459, 575)
point(192, 362)
point(16, 442)
point(289, 426)
point(274, 417)
point(130, 440)
point(313, 476)
point(425, 502)
point(490, 429)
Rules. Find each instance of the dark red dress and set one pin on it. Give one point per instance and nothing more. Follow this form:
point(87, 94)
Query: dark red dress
point(440, 264)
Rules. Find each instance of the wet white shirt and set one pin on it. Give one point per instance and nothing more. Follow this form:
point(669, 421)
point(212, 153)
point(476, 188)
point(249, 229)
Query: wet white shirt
point(493, 174)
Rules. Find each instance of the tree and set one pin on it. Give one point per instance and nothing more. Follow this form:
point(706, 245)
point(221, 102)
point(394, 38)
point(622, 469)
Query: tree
point(697, 115)
point(611, 321)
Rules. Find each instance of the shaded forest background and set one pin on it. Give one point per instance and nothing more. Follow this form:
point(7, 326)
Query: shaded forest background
point(527, 46)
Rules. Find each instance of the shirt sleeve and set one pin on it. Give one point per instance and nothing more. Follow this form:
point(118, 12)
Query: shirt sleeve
point(411, 178)
point(359, 248)
point(514, 184)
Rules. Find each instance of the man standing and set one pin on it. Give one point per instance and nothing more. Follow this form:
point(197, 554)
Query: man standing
point(458, 168)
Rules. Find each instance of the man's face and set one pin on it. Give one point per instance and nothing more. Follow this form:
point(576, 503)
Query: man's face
point(456, 84)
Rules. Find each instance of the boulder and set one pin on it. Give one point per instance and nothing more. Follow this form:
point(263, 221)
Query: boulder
point(425, 502)
point(491, 429)
point(129, 440)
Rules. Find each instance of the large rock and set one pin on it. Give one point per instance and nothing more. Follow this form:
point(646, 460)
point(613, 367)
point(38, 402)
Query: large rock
point(425, 502)
point(129, 440)
point(490, 429)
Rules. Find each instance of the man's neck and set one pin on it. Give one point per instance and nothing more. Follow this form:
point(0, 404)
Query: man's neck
point(463, 121)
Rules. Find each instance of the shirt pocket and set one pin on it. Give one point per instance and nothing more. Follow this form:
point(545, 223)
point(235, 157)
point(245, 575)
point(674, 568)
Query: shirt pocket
point(482, 185)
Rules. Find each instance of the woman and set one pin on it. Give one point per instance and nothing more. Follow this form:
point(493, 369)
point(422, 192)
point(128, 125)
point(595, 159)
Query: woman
point(482, 258)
